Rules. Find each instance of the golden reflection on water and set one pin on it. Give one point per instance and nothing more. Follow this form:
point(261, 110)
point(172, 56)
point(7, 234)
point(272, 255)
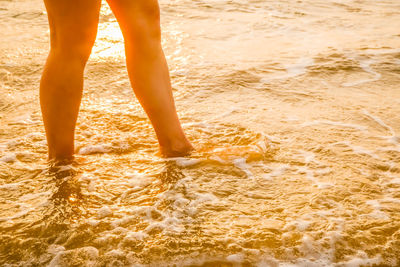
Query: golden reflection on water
point(292, 106)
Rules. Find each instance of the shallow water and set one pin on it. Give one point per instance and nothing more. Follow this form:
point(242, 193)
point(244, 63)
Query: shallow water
point(293, 107)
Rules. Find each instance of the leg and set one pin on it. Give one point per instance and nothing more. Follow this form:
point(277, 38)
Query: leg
point(148, 71)
point(73, 28)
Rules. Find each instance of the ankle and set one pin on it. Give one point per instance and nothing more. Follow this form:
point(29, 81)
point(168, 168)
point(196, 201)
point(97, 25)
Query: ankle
point(176, 148)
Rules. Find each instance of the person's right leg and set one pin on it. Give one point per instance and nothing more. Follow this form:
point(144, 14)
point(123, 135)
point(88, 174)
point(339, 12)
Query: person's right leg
point(73, 28)
point(148, 71)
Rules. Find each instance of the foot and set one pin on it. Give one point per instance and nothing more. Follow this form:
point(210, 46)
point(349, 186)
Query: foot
point(62, 168)
point(180, 149)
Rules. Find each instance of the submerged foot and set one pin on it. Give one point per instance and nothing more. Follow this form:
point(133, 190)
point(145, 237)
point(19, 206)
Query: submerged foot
point(177, 150)
point(61, 168)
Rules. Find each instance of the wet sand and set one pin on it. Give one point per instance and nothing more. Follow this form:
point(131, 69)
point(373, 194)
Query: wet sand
point(293, 108)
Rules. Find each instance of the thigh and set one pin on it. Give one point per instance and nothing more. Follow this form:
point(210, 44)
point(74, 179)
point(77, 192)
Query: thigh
point(72, 20)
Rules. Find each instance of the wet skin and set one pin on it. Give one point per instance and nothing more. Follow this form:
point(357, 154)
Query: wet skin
point(73, 29)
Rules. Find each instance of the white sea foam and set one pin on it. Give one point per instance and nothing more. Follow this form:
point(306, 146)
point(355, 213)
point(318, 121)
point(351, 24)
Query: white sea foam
point(9, 158)
point(308, 156)
point(278, 171)
point(307, 246)
point(390, 199)
point(87, 134)
point(324, 185)
point(62, 258)
point(384, 51)
point(169, 224)
point(55, 249)
point(323, 171)
point(293, 70)
point(361, 261)
point(15, 143)
point(292, 119)
point(66, 168)
point(241, 164)
point(25, 120)
point(377, 213)
point(35, 136)
point(86, 177)
point(16, 215)
point(26, 208)
point(335, 123)
point(236, 258)
point(136, 236)
point(199, 124)
point(185, 162)
point(203, 198)
point(301, 225)
point(123, 220)
point(115, 253)
point(31, 196)
point(103, 212)
point(395, 181)
point(299, 68)
point(139, 182)
point(218, 159)
point(10, 186)
point(225, 114)
point(93, 223)
point(366, 66)
point(94, 149)
point(91, 186)
point(310, 175)
point(356, 149)
point(379, 121)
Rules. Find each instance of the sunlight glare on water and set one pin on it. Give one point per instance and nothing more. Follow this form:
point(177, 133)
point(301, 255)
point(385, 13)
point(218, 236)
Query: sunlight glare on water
point(293, 107)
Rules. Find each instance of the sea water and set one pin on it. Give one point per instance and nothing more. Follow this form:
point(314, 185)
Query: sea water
point(293, 107)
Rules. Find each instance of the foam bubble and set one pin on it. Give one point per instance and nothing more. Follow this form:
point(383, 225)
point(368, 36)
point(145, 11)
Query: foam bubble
point(301, 225)
point(361, 261)
point(136, 236)
point(138, 181)
point(236, 258)
point(85, 177)
point(64, 258)
point(93, 223)
point(202, 198)
point(94, 149)
point(9, 158)
point(103, 212)
point(12, 186)
point(55, 249)
point(377, 213)
point(308, 156)
point(184, 162)
point(241, 164)
point(115, 253)
point(307, 244)
point(278, 171)
point(323, 185)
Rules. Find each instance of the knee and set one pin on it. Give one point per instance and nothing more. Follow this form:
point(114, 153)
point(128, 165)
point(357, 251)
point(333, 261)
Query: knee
point(145, 22)
point(73, 45)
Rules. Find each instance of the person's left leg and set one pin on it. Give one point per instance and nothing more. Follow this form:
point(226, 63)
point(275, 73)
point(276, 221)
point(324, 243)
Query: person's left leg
point(73, 28)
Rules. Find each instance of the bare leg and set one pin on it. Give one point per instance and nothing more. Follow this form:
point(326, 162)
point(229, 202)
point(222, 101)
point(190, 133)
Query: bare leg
point(73, 28)
point(148, 71)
